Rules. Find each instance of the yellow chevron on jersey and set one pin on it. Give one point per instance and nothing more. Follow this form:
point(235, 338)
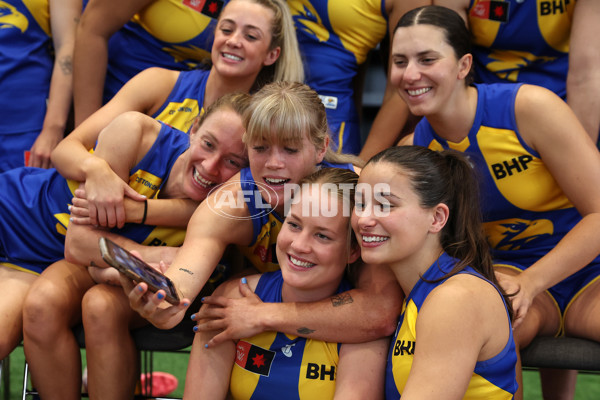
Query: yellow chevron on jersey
point(180, 115)
point(188, 22)
point(41, 12)
point(11, 17)
point(145, 183)
point(63, 223)
point(513, 168)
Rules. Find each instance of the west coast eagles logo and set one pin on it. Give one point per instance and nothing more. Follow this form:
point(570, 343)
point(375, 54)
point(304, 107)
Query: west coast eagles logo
point(10, 17)
point(512, 234)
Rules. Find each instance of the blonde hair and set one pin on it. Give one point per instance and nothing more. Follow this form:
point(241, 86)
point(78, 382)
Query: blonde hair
point(289, 66)
point(237, 102)
point(286, 112)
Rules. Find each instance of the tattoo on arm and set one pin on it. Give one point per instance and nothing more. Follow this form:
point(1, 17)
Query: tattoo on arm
point(341, 299)
point(66, 65)
point(305, 331)
point(186, 270)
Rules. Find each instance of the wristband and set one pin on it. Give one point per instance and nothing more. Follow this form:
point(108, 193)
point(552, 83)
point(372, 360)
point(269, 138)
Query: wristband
point(145, 212)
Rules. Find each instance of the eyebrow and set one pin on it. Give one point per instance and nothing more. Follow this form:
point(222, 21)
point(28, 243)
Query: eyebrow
point(320, 228)
point(243, 26)
point(216, 141)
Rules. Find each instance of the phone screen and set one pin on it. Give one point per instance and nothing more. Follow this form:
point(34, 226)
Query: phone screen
point(137, 269)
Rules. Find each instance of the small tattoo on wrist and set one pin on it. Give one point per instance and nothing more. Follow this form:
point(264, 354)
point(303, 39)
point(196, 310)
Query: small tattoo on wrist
point(186, 270)
point(305, 331)
point(341, 299)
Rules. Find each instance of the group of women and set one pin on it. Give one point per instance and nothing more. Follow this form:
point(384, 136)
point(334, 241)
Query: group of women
point(413, 258)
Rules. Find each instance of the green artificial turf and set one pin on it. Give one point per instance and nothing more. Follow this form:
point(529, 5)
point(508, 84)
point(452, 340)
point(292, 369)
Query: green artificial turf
point(588, 385)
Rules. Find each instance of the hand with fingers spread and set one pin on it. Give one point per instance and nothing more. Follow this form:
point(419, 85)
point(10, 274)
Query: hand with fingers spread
point(230, 315)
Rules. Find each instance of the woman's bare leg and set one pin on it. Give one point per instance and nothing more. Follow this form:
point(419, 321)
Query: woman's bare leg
point(112, 358)
point(14, 286)
point(52, 309)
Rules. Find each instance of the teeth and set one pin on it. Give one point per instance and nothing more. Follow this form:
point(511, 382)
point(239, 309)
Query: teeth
point(232, 57)
point(371, 239)
point(275, 181)
point(201, 181)
point(418, 91)
point(299, 263)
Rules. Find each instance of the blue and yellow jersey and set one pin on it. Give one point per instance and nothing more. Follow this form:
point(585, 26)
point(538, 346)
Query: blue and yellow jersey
point(173, 34)
point(185, 101)
point(335, 37)
point(492, 379)
point(274, 365)
point(525, 212)
point(26, 62)
point(522, 41)
point(34, 213)
point(266, 222)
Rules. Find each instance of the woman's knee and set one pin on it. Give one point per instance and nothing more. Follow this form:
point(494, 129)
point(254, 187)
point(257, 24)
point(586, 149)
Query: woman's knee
point(103, 305)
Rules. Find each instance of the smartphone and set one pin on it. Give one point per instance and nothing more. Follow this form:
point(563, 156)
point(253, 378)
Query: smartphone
point(136, 269)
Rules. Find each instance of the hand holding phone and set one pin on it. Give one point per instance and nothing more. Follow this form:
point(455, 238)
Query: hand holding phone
point(136, 269)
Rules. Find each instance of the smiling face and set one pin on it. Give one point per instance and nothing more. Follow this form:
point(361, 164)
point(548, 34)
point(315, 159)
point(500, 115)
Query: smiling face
point(275, 164)
point(389, 221)
point(216, 152)
point(313, 249)
point(243, 39)
point(425, 69)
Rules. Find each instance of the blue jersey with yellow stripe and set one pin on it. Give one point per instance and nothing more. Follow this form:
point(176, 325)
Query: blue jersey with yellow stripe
point(266, 222)
point(34, 213)
point(492, 379)
point(335, 37)
point(172, 34)
point(274, 365)
point(525, 212)
point(185, 101)
point(522, 41)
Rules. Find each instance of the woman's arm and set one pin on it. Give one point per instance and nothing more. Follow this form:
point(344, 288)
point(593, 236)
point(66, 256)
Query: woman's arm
point(145, 93)
point(100, 20)
point(363, 314)
point(64, 15)
point(210, 231)
point(549, 126)
point(209, 369)
point(361, 370)
point(461, 322)
point(393, 113)
point(583, 79)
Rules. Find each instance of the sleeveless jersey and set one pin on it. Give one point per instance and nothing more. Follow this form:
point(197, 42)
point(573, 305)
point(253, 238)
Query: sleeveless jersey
point(492, 379)
point(274, 365)
point(26, 64)
point(522, 41)
point(172, 34)
point(335, 37)
point(185, 101)
point(34, 213)
point(266, 223)
point(525, 212)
